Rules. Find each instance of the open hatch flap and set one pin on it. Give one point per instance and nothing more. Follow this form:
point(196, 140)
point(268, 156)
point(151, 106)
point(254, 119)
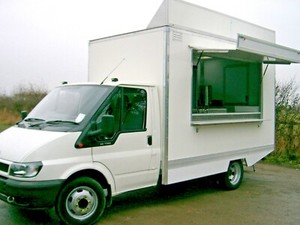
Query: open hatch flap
point(251, 49)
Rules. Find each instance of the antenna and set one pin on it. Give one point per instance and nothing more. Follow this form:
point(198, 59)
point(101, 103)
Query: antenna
point(113, 70)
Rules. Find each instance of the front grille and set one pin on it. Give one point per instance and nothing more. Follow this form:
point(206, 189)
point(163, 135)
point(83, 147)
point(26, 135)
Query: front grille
point(3, 167)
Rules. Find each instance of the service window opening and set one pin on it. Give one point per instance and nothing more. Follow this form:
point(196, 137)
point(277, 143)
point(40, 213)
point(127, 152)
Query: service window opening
point(225, 88)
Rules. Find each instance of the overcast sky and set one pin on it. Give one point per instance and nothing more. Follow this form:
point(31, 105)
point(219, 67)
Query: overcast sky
point(45, 42)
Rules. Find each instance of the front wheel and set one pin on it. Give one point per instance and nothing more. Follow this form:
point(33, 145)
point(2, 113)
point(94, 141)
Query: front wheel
point(82, 201)
point(232, 179)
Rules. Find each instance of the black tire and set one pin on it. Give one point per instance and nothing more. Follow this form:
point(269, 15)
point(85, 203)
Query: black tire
point(82, 201)
point(233, 178)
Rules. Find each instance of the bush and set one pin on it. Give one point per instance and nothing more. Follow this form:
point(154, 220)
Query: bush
point(287, 149)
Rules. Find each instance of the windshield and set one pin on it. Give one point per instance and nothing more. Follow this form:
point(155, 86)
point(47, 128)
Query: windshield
point(67, 106)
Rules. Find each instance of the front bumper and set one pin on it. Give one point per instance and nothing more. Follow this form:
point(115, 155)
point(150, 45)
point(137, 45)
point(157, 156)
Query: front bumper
point(29, 194)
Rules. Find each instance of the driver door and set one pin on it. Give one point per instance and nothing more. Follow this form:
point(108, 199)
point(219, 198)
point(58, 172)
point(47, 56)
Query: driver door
point(126, 147)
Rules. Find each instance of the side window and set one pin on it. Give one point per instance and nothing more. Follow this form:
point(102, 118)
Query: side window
point(124, 112)
point(225, 89)
point(134, 109)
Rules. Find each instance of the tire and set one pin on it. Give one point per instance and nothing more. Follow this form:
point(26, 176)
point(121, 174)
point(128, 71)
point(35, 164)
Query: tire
point(233, 178)
point(82, 201)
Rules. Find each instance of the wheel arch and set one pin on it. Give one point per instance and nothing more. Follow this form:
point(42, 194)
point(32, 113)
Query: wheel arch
point(236, 173)
point(105, 181)
point(243, 160)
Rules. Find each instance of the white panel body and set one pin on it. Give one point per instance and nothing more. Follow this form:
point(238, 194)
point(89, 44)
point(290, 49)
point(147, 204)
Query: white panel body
point(163, 57)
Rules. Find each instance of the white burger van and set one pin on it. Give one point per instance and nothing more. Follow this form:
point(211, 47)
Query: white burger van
point(188, 97)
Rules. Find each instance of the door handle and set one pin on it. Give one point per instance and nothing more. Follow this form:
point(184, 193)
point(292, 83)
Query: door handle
point(149, 140)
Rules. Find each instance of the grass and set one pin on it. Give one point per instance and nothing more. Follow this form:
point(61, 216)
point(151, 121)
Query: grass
point(283, 160)
point(4, 127)
point(7, 119)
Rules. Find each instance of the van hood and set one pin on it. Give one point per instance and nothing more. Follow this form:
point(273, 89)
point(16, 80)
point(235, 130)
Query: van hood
point(17, 144)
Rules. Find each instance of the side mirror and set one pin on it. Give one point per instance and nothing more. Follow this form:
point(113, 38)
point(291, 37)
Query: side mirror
point(107, 125)
point(105, 128)
point(23, 115)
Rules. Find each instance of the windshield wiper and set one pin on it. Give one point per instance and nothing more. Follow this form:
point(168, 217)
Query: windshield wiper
point(61, 121)
point(33, 120)
point(40, 122)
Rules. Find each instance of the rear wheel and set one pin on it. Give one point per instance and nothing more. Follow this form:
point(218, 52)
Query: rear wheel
point(232, 179)
point(82, 201)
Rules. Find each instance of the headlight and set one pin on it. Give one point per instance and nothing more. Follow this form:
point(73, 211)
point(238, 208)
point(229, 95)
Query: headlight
point(25, 170)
